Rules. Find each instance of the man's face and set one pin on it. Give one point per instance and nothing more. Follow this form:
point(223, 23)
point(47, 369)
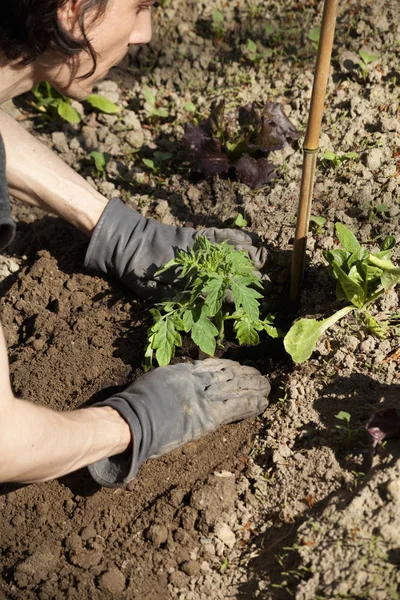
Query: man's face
point(124, 22)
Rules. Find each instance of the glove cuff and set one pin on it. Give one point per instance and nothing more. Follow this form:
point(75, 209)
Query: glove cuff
point(119, 469)
point(116, 226)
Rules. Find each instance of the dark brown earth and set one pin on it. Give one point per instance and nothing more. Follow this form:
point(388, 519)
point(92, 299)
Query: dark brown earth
point(272, 509)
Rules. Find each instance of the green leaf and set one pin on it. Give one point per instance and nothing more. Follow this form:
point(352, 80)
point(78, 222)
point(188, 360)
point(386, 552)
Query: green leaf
point(319, 221)
point(187, 318)
point(270, 329)
point(246, 332)
point(217, 16)
point(354, 292)
point(355, 276)
point(314, 34)
point(215, 290)
point(338, 257)
point(367, 58)
point(149, 163)
point(160, 112)
point(351, 155)
point(166, 338)
point(102, 104)
point(357, 256)
point(389, 279)
point(329, 155)
point(162, 156)
point(343, 416)
point(246, 297)
point(149, 96)
point(374, 326)
point(240, 221)
point(303, 336)
point(100, 159)
point(190, 107)
point(68, 112)
point(251, 46)
point(347, 238)
point(204, 334)
point(388, 243)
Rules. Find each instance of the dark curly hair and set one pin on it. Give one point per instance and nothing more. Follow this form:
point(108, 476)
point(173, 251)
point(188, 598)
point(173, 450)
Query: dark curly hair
point(30, 27)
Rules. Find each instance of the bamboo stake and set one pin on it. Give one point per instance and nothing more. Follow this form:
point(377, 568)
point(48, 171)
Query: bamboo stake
point(311, 144)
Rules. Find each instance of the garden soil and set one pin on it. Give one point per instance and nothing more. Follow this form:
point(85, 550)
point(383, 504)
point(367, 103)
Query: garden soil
point(273, 508)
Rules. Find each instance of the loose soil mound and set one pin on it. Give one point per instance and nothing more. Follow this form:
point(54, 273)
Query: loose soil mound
point(274, 508)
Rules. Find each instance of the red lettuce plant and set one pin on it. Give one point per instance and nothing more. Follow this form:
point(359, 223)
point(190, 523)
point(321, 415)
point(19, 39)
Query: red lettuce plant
point(237, 143)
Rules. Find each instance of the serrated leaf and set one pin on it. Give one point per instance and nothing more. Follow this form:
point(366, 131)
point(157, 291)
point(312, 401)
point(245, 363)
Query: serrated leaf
point(246, 297)
point(166, 338)
point(215, 290)
point(187, 319)
point(245, 332)
point(347, 238)
point(354, 292)
point(271, 330)
point(68, 112)
point(102, 104)
point(203, 334)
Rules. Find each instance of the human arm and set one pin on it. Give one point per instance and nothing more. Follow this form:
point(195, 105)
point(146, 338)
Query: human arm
point(37, 443)
point(37, 176)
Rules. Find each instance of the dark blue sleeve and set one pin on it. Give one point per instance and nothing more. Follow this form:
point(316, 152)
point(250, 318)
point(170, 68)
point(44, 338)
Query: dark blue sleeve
point(7, 225)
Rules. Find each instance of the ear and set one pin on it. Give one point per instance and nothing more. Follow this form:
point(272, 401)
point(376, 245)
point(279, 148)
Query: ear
point(67, 15)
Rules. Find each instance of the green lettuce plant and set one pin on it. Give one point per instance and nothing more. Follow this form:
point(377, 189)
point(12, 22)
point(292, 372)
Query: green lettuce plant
point(361, 277)
point(209, 273)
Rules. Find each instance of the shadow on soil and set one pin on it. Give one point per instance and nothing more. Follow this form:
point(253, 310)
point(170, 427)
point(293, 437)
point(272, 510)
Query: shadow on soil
point(276, 553)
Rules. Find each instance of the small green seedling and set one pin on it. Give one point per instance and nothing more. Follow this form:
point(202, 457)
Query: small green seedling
point(336, 160)
point(240, 221)
point(319, 223)
point(51, 104)
point(156, 162)
point(217, 23)
point(378, 210)
point(102, 104)
point(361, 277)
point(100, 160)
point(313, 36)
point(207, 273)
point(256, 55)
point(151, 100)
point(346, 418)
point(365, 60)
point(190, 107)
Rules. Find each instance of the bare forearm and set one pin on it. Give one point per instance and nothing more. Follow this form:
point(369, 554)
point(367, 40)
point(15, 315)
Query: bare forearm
point(40, 444)
point(37, 443)
point(39, 177)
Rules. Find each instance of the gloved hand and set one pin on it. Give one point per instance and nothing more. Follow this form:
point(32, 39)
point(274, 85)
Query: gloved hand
point(177, 404)
point(134, 248)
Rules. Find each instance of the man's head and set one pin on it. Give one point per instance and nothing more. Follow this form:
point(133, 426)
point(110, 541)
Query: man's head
point(72, 43)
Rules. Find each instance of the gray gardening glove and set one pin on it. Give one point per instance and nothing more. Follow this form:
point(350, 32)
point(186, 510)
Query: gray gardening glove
point(134, 248)
point(177, 404)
